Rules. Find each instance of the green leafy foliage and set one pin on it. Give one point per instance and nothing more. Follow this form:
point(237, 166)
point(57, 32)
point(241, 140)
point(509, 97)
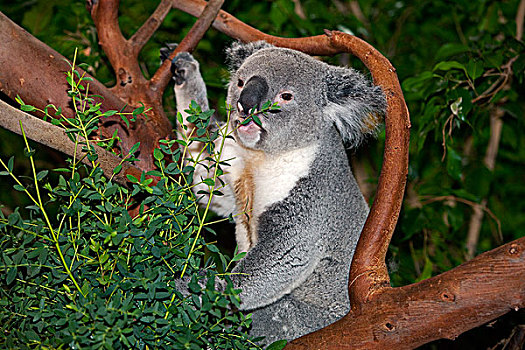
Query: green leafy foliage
point(116, 267)
point(453, 104)
point(267, 107)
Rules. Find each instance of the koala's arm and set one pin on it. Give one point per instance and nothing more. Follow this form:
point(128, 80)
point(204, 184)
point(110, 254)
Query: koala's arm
point(189, 86)
point(275, 267)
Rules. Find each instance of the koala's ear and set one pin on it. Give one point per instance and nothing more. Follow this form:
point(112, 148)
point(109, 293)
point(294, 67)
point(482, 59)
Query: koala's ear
point(354, 104)
point(239, 52)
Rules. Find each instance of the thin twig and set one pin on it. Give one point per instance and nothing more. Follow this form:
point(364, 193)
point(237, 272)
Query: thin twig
point(482, 206)
point(144, 33)
point(40, 131)
point(498, 85)
point(444, 136)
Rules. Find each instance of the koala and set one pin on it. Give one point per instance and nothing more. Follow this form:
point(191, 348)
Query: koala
point(291, 176)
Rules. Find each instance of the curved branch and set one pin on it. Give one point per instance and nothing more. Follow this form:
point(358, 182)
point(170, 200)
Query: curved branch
point(162, 77)
point(476, 292)
point(234, 28)
point(369, 272)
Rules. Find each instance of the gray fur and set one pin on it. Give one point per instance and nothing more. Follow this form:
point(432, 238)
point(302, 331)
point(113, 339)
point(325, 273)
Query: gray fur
point(238, 53)
point(342, 96)
point(310, 238)
point(294, 277)
point(189, 84)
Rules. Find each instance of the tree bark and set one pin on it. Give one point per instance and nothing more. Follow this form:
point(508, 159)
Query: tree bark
point(41, 81)
point(444, 306)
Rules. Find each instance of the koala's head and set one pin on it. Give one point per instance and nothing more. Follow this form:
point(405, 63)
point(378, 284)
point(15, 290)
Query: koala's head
point(313, 97)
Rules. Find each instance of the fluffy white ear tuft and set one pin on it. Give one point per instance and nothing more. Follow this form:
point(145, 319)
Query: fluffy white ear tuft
point(355, 105)
point(239, 52)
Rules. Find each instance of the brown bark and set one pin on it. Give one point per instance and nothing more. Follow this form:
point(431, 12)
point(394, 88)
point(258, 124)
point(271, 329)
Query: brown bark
point(369, 272)
point(146, 31)
point(162, 76)
point(234, 28)
point(444, 306)
point(41, 81)
point(131, 89)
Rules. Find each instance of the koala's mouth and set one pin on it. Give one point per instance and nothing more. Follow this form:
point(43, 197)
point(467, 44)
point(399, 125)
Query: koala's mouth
point(250, 126)
point(249, 133)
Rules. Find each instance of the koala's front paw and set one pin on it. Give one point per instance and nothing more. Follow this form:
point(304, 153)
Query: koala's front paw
point(182, 67)
point(167, 50)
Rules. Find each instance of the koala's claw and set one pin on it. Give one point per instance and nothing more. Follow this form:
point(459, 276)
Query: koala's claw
point(181, 65)
point(167, 50)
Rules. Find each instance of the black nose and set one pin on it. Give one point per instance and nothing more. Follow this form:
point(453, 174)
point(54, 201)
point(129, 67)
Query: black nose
point(252, 95)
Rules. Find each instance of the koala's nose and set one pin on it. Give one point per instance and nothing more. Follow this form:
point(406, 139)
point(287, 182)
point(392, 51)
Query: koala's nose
point(252, 95)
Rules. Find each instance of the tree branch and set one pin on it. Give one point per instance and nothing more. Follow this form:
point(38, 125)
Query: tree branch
point(234, 28)
point(369, 273)
point(476, 292)
point(50, 87)
point(56, 138)
point(144, 33)
point(121, 54)
point(162, 77)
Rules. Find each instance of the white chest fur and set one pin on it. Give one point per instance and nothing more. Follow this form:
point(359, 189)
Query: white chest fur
point(262, 180)
point(275, 176)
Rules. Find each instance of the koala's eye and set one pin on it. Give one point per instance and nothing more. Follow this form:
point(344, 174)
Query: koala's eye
point(240, 83)
point(286, 96)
